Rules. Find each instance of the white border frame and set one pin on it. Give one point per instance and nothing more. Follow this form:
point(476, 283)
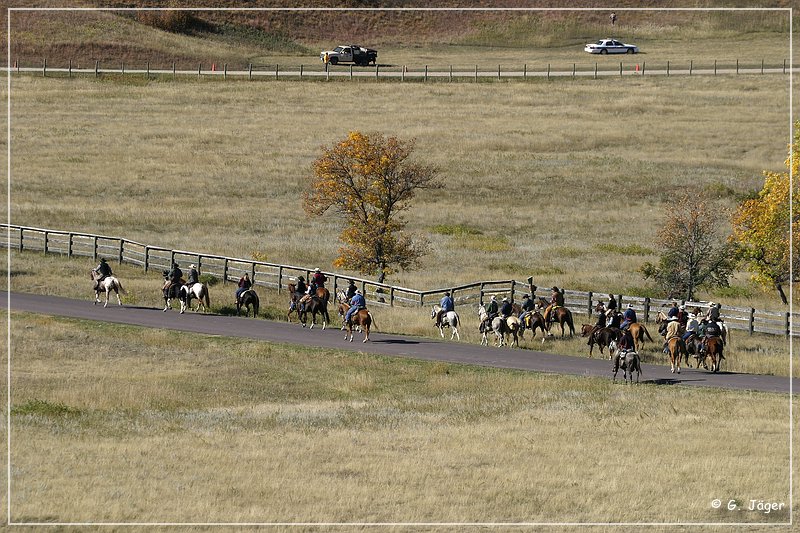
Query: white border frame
point(10, 10)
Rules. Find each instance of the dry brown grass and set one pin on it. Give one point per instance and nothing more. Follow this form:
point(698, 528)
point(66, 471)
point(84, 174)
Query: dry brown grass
point(115, 423)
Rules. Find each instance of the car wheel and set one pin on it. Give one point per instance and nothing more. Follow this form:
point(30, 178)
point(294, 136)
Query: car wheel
point(603, 51)
point(631, 51)
point(334, 60)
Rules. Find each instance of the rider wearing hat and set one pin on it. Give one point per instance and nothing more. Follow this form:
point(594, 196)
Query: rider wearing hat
point(528, 305)
point(351, 291)
point(447, 304)
point(193, 276)
point(103, 271)
point(556, 301)
point(244, 286)
point(628, 317)
point(318, 280)
point(173, 278)
point(300, 291)
point(673, 331)
point(492, 309)
point(356, 302)
point(506, 309)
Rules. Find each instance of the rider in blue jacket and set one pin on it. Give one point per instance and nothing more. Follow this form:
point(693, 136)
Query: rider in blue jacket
point(447, 304)
point(356, 303)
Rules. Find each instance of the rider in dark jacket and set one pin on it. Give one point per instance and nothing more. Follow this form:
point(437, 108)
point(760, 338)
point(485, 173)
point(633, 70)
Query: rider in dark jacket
point(194, 276)
point(103, 271)
point(173, 278)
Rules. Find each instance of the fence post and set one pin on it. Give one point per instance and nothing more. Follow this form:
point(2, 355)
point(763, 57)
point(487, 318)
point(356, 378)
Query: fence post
point(784, 66)
point(422, 299)
point(403, 73)
point(351, 72)
point(480, 300)
point(525, 71)
point(391, 297)
point(590, 304)
point(148, 70)
point(451, 72)
point(146, 258)
point(94, 249)
point(44, 68)
point(691, 66)
point(476, 73)
point(69, 245)
point(70, 67)
point(199, 68)
point(573, 70)
point(97, 69)
point(121, 249)
point(225, 271)
point(647, 309)
point(301, 71)
point(46, 238)
point(174, 72)
point(225, 71)
point(595, 70)
point(498, 72)
point(787, 325)
point(21, 238)
point(620, 68)
point(762, 66)
point(643, 64)
point(276, 71)
point(737, 66)
point(751, 323)
point(377, 72)
point(426, 72)
point(513, 285)
point(668, 69)
point(250, 71)
point(123, 68)
point(715, 67)
point(548, 71)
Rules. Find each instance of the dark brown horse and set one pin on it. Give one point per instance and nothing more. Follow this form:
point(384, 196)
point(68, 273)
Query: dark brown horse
point(294, 306)
point(562, 316)
point(603, 337)
point(533, 321)
point(314, 306)
point(361, 318)
point(248, 300)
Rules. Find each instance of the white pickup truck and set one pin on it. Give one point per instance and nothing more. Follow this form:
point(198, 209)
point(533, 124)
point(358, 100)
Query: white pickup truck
point(349, 53)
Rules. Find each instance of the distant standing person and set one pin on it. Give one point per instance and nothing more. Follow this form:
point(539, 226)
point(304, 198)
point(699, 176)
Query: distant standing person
point(613, 18)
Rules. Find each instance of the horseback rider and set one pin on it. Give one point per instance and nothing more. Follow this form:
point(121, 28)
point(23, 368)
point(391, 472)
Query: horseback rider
point(691, 326)
point(625, 342)
point(318, 280)
point(193, 276)
point(447, 304)
point(712, 329)
point(613, 318)
point(528, 305)
point(628, 318)
point(612, 303)
point(673, 328)
point(556, 301)
point(713, 312)
point(673, 311)
point(300, 291)
point(492, 309)
point(351, 291)
point(103, 270)
point(600, 309)
point(174, 279)
point(506, 310)
point(357, 302)
point(244, 286)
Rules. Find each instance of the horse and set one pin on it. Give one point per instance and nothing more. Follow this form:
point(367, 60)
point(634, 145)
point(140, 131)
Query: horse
point(362, 318)
point(694, 347)
point(172, 292)
point(586, 329)
point(248, 300)
point(485, 327)
point(638, 332)
point(714, 347)
point(533, 321)
point(110, 283)
point(676, 347)
point(562, 315)
point(197, 290)
point(603, 337)
point(506, 326)
point(449, 319)
point(294, 307)
point(628, 360)
point(314, 305)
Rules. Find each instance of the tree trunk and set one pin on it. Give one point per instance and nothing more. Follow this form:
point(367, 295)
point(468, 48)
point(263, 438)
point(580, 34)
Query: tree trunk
point(382, 276)
point(779, 287)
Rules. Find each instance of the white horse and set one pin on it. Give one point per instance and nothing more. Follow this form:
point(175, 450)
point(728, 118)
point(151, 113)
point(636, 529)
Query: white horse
point(110, 283)
point(197, 290)
point(484, 326)
point(506, 327)
point(449, 319)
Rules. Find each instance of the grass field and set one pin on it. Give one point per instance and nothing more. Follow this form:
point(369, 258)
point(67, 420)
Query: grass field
point(115, 423)
point(542, 182)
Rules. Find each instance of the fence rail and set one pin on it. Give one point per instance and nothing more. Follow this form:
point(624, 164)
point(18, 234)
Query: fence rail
point(277, 276)
point(628, 66)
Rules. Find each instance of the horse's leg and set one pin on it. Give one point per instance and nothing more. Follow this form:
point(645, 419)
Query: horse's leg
point(366, 333)
point(107, 295)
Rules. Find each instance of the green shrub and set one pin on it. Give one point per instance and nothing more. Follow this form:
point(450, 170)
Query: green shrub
point(631, 249)
point(456, 230)
point(44, 408)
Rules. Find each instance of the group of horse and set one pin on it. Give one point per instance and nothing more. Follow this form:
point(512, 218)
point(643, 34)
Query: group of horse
point(317, 304)
point(508, 330)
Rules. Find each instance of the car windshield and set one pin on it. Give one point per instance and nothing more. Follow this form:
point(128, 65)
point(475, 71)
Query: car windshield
point(599, 42)
point(338, 49)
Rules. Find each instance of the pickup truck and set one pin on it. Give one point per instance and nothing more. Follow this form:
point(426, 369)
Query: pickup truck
point(349, 53)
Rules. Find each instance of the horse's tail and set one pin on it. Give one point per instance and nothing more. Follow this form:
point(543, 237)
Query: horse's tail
point(207, 297)
point(647, 333)
point(121, 288)
point(372, 321)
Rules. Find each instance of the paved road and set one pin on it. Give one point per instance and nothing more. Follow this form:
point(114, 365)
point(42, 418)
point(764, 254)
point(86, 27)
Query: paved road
point(391, 345)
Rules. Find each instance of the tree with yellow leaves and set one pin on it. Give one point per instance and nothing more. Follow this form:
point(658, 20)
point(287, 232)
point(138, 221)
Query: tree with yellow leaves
point(368, 179)
point(761, 226)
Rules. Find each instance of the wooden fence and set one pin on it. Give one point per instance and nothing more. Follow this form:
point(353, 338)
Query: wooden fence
point(629, 66)
point(277, 276)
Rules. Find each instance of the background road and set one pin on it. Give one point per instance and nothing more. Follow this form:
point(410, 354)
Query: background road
point(391, 345)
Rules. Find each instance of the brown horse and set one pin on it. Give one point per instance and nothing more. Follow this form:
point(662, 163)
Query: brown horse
point(562, 316)
point(676, 347)
point(315, 305)
point(714, 351)
point(603, 337)
point(638, 332)
point(533, 321)
point(362, 318)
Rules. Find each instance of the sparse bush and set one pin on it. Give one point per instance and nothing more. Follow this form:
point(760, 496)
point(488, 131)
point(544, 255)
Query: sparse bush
point(168, 20)
point(208, 279)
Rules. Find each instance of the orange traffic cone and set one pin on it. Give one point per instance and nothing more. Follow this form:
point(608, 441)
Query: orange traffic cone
point(214, 67)
point(637, 67)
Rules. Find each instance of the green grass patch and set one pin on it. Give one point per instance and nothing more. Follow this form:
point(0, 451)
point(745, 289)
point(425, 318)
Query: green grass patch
point(44, 408)
point(456, 230)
